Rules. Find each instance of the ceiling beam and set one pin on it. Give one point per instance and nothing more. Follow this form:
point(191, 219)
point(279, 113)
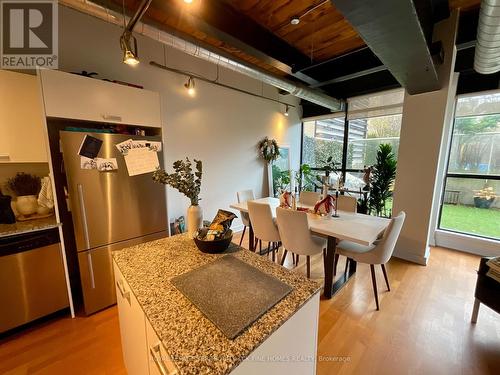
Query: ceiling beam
point(392, 30)
point(221, 21)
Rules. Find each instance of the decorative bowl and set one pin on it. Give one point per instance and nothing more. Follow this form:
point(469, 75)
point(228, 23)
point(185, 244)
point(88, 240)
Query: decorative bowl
point(215, 246)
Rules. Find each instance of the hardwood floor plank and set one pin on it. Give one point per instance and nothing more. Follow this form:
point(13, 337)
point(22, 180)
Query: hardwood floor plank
point(423, 326)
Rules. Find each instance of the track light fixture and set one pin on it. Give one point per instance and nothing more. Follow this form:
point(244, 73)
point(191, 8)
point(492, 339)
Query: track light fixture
point(286, 110)
point(189, 85)
point(130, 55)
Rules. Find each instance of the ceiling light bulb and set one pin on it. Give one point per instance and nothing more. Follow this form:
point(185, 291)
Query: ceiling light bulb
point(295, 20)
point(286, 111)
point(188, 1)
point(189, 85)
point(130, 59)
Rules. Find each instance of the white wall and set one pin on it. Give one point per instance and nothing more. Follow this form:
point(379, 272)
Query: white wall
point(219, 126)
point(422, 131)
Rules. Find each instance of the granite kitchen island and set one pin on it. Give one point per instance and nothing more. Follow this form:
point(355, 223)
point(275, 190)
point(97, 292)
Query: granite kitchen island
point(164, 333)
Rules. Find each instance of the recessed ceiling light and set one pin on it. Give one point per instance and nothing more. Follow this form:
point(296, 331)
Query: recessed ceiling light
point(295, 20)
point(188, 1)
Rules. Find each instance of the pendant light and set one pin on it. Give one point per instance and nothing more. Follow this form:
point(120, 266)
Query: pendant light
point(286, 110)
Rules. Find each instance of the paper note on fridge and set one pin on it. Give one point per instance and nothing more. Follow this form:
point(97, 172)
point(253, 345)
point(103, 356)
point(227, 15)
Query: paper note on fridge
point(141, 160)
point(104, 165)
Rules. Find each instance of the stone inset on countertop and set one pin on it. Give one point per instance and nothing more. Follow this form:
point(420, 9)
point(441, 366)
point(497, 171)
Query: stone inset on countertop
point(34, 225)
point(194, 343)
point(231, 293)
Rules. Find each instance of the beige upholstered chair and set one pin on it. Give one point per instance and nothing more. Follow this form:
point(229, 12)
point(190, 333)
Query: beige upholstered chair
point(244, 196)
point(296, 236)
point(347, 203)
point(264, 226)
point(378, 253)
point(309, 198)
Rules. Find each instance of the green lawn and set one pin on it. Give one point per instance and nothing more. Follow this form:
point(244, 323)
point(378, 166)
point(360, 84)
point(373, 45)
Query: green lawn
point(467, 219)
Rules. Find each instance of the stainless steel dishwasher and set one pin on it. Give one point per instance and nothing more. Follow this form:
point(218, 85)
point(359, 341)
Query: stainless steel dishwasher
point(32, 278)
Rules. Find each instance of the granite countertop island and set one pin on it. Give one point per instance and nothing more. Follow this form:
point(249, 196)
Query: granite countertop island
point(34, 225)
point(194, 343)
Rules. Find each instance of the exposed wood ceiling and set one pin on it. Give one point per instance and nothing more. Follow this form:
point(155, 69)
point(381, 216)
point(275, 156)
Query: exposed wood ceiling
point(259, 33)
point(322, 33)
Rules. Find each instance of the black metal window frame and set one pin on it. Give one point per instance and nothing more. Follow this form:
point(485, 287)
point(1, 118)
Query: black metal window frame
point(473, 176)
point(345, 148)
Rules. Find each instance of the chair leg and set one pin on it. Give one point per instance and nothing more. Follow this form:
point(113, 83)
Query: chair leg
point(335, 262)
point(385, 277)
point(260, 247)
point(346, 265)
point(297, 260)
point(475, 311)
point(273, 249)
point(308, 261)
point(285, 251)
point(243, 234)
point(374, 282)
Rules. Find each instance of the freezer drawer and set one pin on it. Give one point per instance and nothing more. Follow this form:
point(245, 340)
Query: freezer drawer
point(33, 285)
point(96, 273)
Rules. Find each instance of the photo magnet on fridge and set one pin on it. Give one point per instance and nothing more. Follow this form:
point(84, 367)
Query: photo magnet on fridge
point(90, 147)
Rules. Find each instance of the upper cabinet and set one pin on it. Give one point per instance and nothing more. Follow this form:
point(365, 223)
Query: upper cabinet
point(22, 127)
point(81, 98)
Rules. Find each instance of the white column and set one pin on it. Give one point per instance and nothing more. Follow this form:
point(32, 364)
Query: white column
point(423, 122)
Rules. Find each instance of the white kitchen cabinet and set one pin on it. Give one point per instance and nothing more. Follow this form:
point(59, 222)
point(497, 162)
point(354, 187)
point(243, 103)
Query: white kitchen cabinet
point(132, 328)
point(76, 97)
point(159, 360)
point(22, 129)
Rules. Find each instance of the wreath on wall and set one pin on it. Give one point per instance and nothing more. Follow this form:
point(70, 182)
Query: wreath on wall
point(268, 149)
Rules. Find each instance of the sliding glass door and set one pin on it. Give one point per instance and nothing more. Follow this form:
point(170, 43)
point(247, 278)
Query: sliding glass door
point(470, 201)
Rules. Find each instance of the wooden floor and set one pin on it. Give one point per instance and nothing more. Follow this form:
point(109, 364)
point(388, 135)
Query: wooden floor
point(422, 328)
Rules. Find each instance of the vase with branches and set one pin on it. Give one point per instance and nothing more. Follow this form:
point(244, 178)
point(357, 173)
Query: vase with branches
point(382, 179)
point(187, 182)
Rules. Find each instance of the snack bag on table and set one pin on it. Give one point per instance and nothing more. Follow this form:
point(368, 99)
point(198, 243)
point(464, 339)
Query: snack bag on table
point(325, 206)
point(286, 200)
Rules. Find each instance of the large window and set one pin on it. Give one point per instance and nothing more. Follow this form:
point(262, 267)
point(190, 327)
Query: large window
point(470, 203)
point(371, 120)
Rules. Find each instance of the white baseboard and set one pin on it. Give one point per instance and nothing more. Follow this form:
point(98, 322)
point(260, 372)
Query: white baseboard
point(466, 243)
point(414, 258)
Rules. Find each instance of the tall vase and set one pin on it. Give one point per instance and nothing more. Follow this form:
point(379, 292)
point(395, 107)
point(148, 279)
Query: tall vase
point(194, 219)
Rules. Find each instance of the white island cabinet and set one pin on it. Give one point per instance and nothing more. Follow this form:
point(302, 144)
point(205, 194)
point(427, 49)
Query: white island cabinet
point(163, 334)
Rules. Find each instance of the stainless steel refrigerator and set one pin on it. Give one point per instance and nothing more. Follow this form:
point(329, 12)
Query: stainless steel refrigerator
point(110, 210)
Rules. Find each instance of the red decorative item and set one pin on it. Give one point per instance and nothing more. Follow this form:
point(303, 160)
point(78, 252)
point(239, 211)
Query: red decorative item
point(325, 206)
point(286, 199)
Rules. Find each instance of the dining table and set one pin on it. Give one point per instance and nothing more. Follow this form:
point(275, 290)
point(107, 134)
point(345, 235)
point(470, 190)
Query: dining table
point(359, 228)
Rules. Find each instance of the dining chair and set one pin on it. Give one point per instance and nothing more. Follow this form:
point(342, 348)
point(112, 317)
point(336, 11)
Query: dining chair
point(309, 198)
point(264, 227)
point(347, 203)
point(378, 253)
point(244, 196)
point(296, 236)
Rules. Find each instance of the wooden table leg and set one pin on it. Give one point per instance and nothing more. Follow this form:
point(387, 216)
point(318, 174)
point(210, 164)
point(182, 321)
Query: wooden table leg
point(251, 239)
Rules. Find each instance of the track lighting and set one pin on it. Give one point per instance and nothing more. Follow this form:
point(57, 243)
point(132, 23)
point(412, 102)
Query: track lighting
point(189, 85)
point(130, 55)
point(286, 110)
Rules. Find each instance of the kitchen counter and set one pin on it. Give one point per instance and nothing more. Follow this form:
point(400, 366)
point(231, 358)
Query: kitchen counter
point(195, 345)
point(34, 225)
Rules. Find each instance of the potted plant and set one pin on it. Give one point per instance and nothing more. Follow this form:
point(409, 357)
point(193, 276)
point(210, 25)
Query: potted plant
point(26, 187)
point(484, 198)
point(188, 183)
point(382, 178)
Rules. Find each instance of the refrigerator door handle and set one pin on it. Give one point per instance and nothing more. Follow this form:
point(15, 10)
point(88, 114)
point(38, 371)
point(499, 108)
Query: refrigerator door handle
point(84, 216)
point(91, 270)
